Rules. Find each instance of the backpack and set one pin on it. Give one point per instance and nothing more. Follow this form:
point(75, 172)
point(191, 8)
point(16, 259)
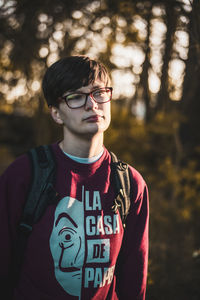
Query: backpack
point(42, 193)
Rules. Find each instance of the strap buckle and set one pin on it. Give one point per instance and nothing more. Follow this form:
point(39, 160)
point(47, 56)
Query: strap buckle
point(116, 206)
point(25, 228)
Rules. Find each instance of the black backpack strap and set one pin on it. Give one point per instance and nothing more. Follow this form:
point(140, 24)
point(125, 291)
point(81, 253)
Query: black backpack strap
point(41, 193)
point(120, 179)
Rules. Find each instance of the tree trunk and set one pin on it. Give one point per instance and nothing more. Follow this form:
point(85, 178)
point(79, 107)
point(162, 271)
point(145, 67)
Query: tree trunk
point(190, 133)
point(163, 99)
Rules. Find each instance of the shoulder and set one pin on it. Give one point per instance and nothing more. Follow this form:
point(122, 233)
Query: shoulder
point(18, 165)
point(18, 170)
point(22, 164)
point(14, 185)
point(139, 186)
point(136, 177)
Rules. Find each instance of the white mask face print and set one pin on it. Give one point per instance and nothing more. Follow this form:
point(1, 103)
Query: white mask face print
point(67, 244)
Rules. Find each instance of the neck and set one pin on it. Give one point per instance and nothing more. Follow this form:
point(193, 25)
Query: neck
point(82, 147)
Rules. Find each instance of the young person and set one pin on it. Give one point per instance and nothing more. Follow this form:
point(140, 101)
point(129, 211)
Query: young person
point(72, 251)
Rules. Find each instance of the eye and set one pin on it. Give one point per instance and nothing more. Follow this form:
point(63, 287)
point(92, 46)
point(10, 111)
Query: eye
point(68, 237)
point(76, 97)
point(67, 234)
point(102, 95)
point(99, 92)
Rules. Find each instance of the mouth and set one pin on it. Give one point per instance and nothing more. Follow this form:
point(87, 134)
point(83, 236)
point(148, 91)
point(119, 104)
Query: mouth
point(93, 118)
point(69, 269)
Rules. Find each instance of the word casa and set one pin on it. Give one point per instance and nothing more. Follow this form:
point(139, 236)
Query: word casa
point(101, 225)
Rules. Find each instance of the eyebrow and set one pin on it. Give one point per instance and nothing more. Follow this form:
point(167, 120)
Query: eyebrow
point(98, 86)
point(65, 215)
point(93, 88)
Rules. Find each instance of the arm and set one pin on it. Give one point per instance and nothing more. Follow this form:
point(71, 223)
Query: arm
point(5, 233)
point(131, 270)
point(13, 188)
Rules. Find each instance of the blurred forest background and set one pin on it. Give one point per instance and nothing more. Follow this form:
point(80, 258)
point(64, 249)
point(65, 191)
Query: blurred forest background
point(152, 49)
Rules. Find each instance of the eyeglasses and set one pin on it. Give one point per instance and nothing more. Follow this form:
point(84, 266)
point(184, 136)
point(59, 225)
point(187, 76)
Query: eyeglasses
point(78, 99)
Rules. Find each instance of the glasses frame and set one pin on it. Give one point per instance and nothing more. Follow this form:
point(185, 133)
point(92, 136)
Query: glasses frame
point(86, 97)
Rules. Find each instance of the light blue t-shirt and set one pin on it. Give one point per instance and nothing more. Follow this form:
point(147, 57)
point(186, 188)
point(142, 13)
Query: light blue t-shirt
point(83, 160)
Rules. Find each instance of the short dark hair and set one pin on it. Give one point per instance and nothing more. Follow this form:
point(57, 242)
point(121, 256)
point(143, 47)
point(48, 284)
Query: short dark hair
point(71, 73)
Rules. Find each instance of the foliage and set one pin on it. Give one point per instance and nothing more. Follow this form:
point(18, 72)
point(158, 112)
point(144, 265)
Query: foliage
point(174, 201)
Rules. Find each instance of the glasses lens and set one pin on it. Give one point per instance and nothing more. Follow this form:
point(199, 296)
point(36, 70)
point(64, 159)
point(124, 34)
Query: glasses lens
point(102, 95)
point(75, 100)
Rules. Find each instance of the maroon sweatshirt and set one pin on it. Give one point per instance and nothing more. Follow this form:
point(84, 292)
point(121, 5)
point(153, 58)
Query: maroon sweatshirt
point(73, 249)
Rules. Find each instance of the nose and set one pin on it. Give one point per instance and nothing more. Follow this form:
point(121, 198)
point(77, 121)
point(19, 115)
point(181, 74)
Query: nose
point(90, 103)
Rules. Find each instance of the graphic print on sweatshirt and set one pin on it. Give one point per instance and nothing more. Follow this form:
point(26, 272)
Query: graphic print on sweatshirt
point(79, 240)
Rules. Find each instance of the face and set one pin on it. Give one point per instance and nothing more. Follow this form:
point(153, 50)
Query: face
point(89, 120)
point(67, 244)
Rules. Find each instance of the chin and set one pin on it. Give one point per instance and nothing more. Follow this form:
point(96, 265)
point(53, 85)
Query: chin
point(98, 127)
point(97, 130)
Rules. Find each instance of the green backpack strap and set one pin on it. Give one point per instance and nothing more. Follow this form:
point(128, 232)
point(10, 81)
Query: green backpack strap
point(120, 179)
point(41, 194)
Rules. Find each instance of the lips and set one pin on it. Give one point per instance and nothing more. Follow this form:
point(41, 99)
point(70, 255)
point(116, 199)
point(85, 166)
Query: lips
point(93, 118)
point(69, 269)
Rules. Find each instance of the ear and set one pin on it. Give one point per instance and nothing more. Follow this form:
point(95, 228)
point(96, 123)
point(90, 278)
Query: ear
point(55, 113)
